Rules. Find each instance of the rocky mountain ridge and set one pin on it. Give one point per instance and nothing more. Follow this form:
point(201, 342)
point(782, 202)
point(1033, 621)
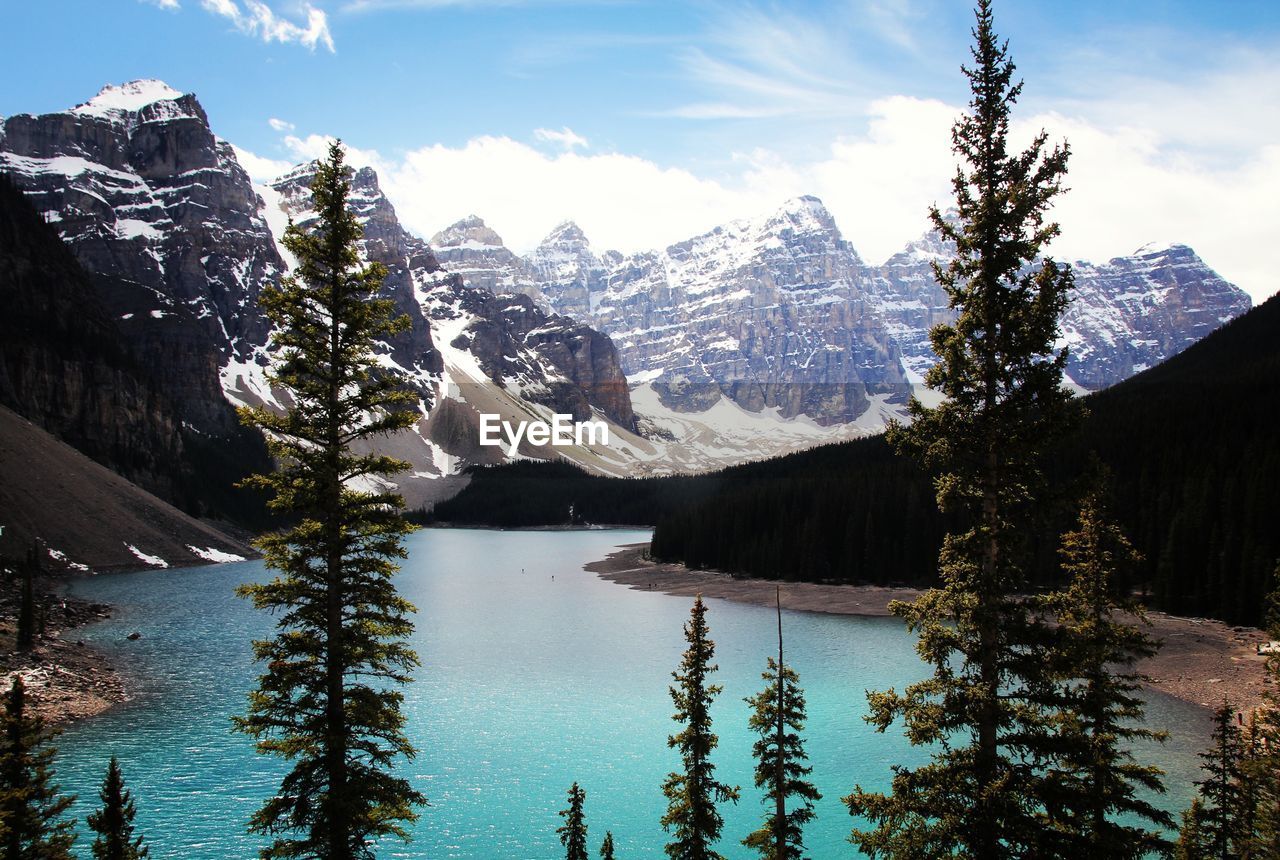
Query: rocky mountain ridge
point(766, 311)
point(159, 210)
point(752, 339)
point(177, 242)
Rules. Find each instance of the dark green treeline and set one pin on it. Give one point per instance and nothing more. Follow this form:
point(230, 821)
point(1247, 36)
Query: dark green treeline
point(1190, 445)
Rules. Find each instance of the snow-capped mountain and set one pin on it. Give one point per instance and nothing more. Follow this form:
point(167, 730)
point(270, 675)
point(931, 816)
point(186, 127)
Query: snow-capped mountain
point(753, 339)
point(470, 249)
point(1133, 312)
point(1125, 315)
point(150, 200)
point(781, 311)
point(178, 240)
point(564, 266)
point(764, 313)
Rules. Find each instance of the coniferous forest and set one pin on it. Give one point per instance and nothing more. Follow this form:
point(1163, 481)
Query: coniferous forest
point(1039, 525)
point(1190, 445)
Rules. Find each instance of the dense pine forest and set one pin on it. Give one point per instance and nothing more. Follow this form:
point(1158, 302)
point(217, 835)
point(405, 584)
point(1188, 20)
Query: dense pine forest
point(1190, 444)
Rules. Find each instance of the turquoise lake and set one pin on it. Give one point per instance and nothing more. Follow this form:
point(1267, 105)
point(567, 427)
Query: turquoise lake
point(528, 683)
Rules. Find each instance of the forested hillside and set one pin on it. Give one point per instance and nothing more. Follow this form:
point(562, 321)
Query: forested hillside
point(1190, 444)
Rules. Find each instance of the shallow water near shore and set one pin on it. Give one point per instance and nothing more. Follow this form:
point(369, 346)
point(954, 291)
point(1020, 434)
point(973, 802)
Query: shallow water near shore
point(535, 674)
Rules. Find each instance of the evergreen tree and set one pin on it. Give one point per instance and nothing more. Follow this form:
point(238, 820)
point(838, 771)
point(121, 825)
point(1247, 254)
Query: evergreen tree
point(327, 701)
point(1095, 778)
point(1263, 767)
point(1215, 825)
point(1005, 407)
point(114, 821)
point(606, 847)
point(693, 793)
point(1191, 844)
point(778, 717)
point(30, 807)
point(573, 833)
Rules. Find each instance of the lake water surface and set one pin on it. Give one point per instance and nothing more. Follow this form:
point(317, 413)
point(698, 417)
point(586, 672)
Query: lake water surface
point(535, 674)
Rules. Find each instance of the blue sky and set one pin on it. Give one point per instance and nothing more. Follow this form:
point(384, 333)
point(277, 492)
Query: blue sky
point(647, 122)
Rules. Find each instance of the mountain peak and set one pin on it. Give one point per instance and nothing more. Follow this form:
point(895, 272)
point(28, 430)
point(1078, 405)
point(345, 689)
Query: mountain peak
point(805, 211)
point(1152, 249)
point(470, 231)
point(804, 205)
point(130, 96)
point(566, 232)
point(364, 180)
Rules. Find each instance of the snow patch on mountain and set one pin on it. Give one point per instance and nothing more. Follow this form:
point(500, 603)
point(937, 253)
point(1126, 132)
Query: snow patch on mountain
point(131, 96)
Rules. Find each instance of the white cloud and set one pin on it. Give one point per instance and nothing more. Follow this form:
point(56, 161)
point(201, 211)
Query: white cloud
point(877, 185)
point(621, 201)
point(1125, 191)
point(280, 125)
point(259, 20)
point(171, 5)
point(1127, 186)
point(565, 138)
point(315, 146)
point(261, 170)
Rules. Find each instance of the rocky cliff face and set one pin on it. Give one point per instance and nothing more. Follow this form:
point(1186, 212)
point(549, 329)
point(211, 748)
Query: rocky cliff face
point(548, 359)
point(385, 242)
point(158, 209)
point(64, 364)
point(177, 243)
point(781, 312)
point(471, 250)
point(564, 266)
point(763, 312)
point(1133, 312)
point(1125, 315)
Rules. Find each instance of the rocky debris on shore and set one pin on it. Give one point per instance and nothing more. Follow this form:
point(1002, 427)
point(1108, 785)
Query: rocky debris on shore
point(66, 679)
point(1200, 661)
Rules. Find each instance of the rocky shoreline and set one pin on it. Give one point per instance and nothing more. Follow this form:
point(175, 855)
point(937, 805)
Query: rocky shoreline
point(66, 679)
point(1201, 661)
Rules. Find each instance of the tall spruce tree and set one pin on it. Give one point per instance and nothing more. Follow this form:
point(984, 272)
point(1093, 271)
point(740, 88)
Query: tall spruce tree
point(327, 701)
point(606, 847)
point(1191, 844)
point(1213, 825)
point(778, 717)
point(31, 809)
point(1004, 408)
point(1095, 791)
point(573, 833)
point(113, 822)
point(1266, 765)
point(692, 794)
point(1258, 816)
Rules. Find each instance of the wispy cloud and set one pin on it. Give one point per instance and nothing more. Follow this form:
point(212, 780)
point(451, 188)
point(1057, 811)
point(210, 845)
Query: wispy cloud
point(565, 137)
point(280, 124)
point(770, 64)
point(170, 5)
point(257, 19)
point(895, 21)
